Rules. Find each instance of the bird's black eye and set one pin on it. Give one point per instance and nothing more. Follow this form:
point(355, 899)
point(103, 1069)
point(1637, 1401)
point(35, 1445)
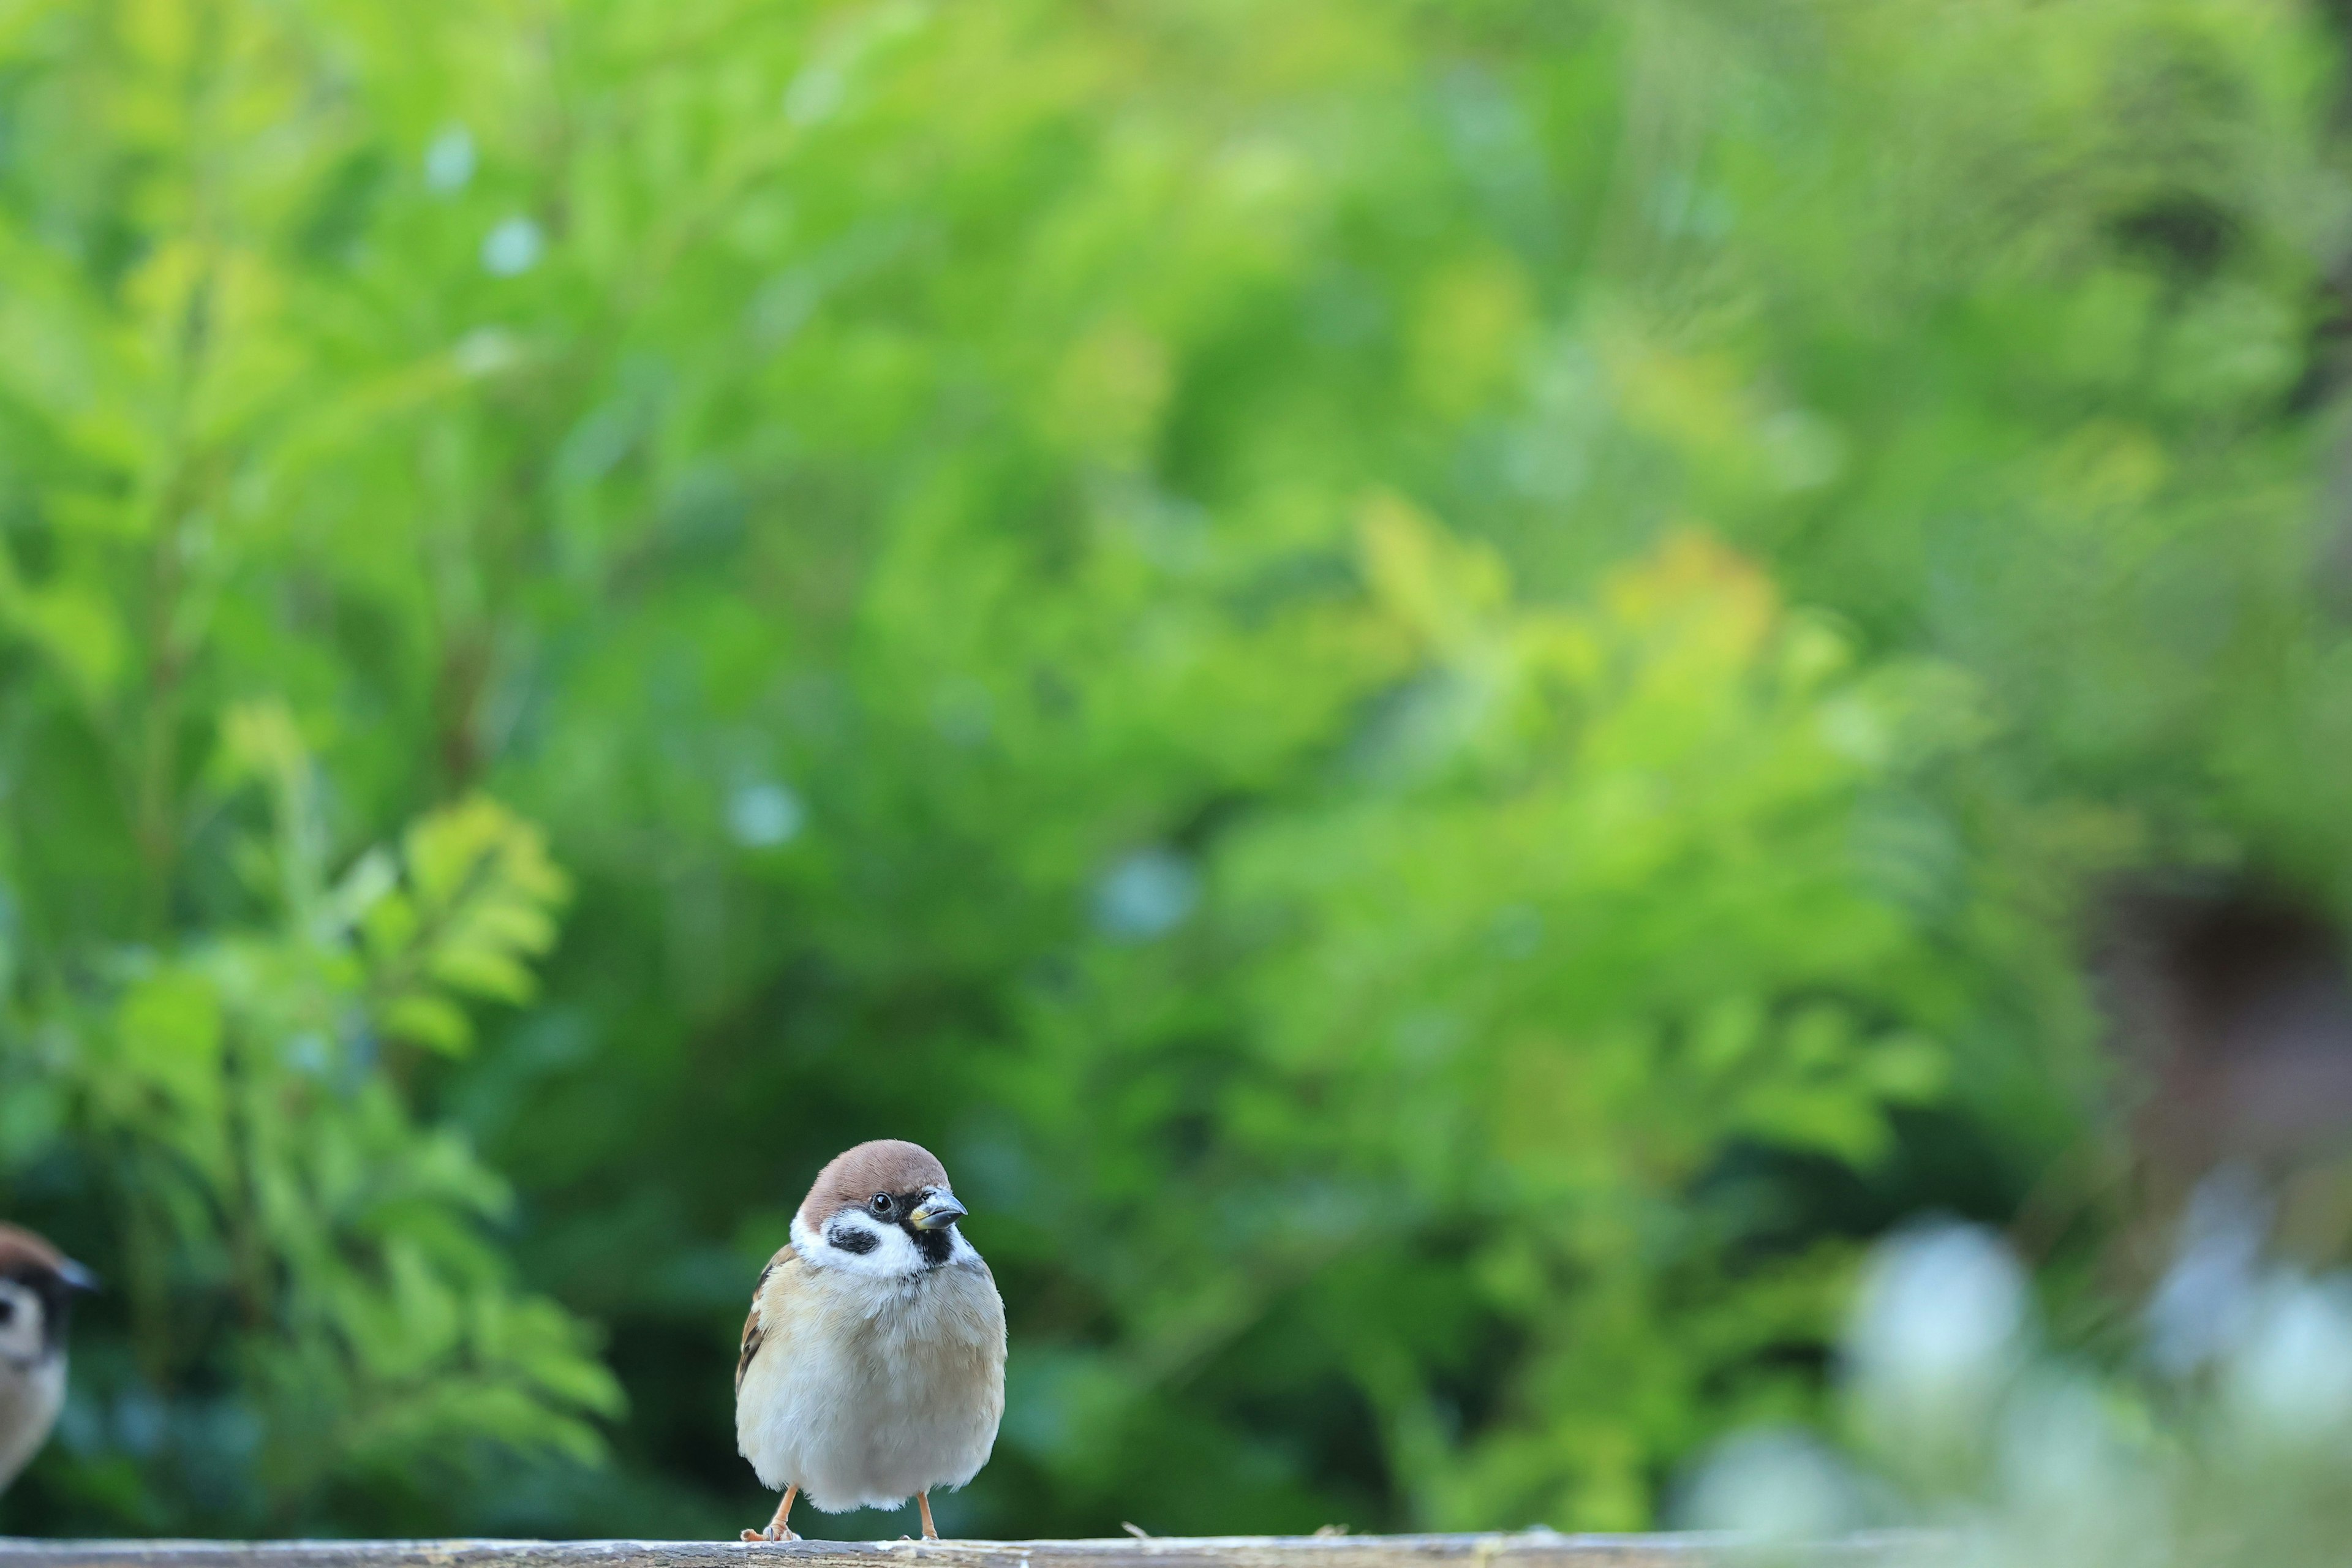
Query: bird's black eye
point(881, 1203)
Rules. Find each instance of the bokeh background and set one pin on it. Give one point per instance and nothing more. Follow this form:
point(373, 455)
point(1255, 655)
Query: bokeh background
point(1458, 694)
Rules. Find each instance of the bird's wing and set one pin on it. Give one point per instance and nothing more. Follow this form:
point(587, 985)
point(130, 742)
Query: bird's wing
point(754, 1329)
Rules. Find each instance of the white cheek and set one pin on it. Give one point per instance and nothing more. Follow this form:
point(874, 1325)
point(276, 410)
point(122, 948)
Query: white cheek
point(20, 1336)
point(894, 1255)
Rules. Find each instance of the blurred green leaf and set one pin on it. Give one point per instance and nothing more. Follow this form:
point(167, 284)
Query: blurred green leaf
point(1438, 686)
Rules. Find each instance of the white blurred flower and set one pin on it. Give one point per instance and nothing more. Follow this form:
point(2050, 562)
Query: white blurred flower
point(1773, 1486)
point(764, 815)
point(449, 161)
point(513, 248)
point(1146, 894)
point(1938, 1329)
point(2073, 1488)
point(2287, 1374)
point(2201, 1302)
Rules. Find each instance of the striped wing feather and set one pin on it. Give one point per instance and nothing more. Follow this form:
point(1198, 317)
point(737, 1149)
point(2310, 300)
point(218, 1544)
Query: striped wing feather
point(753, 1331)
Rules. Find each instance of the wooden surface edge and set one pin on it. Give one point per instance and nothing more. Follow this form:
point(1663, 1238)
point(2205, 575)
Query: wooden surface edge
point(1530, 1548)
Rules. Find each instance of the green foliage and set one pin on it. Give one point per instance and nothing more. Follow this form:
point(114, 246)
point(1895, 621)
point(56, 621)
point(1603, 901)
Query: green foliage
point(291, 1235)
point(1476, 1015)
point(1432, 683)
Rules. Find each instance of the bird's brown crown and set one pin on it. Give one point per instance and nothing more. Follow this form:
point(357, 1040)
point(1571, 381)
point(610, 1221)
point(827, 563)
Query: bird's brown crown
point(23, 1255)
point(886, 1165)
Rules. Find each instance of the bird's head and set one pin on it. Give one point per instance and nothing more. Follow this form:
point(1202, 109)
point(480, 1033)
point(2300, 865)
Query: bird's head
point(882, 1208)
point(37, 1287)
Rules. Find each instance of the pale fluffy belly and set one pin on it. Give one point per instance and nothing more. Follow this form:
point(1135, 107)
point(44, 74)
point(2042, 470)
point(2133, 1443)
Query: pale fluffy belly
point(869, 1395)
point(29, 1398)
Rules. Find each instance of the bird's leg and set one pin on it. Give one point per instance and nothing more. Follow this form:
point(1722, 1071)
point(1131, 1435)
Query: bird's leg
point(923, 1501)
point(777, 1529)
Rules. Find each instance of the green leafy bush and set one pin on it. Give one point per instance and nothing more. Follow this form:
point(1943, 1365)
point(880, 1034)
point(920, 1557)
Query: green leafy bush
point(1463, 1027)
point(1434, 684)
point(312, 1272)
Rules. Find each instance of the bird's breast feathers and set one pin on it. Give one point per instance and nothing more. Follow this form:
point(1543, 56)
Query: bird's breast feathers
point(30, 1396)
point(862, 1387)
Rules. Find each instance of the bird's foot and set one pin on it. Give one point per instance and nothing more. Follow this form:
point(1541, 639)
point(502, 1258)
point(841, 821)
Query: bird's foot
point(777, 1529)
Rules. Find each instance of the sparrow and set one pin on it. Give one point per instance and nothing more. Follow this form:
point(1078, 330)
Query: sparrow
point(37, 1285)
point(872, 1367)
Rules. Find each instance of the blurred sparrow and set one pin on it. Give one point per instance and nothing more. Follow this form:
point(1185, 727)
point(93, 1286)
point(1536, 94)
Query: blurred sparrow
point(873, 1363)
point(37, 1284)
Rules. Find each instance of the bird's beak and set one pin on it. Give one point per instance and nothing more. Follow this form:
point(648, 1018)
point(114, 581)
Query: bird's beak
point(936, 1212)
point(75, 1275)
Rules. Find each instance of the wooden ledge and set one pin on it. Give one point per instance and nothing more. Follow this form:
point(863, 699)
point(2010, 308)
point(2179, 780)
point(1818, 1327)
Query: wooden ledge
point(1532, 1549)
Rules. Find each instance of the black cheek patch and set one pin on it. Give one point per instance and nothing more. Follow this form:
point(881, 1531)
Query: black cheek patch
point(851, 1240)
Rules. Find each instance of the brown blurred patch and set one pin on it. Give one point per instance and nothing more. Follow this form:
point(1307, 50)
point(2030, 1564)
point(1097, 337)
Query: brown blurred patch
point(2232, 1015)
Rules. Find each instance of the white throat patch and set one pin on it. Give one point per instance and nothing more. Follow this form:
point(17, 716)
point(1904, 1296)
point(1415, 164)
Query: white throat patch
point(24, 1337)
